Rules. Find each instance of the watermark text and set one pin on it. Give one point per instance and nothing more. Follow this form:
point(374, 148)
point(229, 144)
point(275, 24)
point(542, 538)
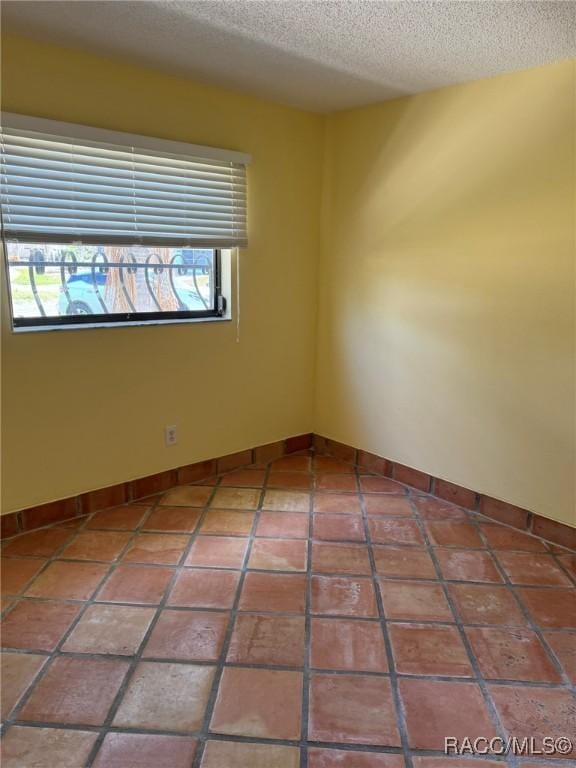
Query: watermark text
point(528, 745)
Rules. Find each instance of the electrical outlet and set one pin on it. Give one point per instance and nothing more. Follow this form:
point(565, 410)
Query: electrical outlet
point(170, 435)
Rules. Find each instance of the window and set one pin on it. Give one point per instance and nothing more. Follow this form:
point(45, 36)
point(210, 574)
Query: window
point(101, 227)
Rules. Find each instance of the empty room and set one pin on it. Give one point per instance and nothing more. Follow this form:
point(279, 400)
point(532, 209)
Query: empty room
point(288, 384)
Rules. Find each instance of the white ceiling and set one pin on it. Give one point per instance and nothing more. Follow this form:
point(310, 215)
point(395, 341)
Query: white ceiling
point(318, 55)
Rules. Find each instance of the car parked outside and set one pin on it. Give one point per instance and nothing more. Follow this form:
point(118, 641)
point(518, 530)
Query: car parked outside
point(81, 295)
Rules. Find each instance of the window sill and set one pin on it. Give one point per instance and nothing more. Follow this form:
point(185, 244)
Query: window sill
point(127, 324)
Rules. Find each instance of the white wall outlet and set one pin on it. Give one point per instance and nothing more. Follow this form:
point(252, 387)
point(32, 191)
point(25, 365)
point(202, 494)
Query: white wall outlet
point(170, 435)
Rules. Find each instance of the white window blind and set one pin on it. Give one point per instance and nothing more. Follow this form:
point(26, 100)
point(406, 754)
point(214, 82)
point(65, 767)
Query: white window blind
point(69, 183)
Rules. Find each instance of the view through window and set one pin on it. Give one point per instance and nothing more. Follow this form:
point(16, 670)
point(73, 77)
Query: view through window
point(64, 283)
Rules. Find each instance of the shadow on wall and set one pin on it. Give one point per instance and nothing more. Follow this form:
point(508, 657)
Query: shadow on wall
point(447, 311)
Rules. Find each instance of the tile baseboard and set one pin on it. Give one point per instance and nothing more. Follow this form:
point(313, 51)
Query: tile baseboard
point(63, 510)
point(554, 531)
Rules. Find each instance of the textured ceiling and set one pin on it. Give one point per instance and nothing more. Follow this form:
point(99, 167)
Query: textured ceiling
point(321, 56)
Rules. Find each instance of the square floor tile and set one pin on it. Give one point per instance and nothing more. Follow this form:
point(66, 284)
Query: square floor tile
point(334, 482)
point(384, 530)
point(218, 552)
point(114, 629)
point(431, 508)
point(187, 496)
point(328, 464)
point(450, 533)
point(295, 480)
point(228, 522)
point(126, 518)
point(15, 573)
point(415, 600)
point(17, 671)
point(165, 696)
point(535, 712)
point(258, 702)
point(278, 555)
point(436, 709)
point(370, 484)
point(343, 596)
point(337, 504)
point(340, 558)
point(244, 478)
point(355, 709)
point(512, 654)
point(467, 565)
point(338, 528)
point(427, 649)
point(268, 640)
point(43, 747)
point(136, 584)
point(235, 498)
point(287, 525)
point(273, 592)
point(149, 750)
point(173, 520)
point(564, 646)
point(531, 568)
point(209, 480)
point(551, 608)
point(482, 604)
point(61, 695)
point(187, 636)
point(392, 506)
point(37, 626)
point(204, 588)
point(96, 545)
point(68, 581)
point(500, 537)
point(157, 548)
point(44, 543)
point(338, 758)
point(233, 754)
point(292, 464)
point(403, 562)
point(347, 644)
point(150, 500)
point(74, 524)
point(286, 501)
point(568, 562)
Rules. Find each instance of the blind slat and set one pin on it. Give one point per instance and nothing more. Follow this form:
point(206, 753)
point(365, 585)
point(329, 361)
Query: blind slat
point(49, 186)
point(60, 188)
point(43, 207)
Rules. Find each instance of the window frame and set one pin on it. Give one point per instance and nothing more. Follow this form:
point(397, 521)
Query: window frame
point(226, 169)
point(218, 310)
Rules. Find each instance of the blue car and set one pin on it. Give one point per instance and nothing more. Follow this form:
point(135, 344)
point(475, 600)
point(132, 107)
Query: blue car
point(199, 259)
point(82, 298)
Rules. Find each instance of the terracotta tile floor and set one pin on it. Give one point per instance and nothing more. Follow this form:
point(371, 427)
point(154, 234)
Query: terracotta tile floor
point(302, 615)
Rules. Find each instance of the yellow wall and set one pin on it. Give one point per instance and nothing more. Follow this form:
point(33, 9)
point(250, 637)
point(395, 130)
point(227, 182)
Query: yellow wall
point(446, 327)
point(85, 409)
point(446, 292)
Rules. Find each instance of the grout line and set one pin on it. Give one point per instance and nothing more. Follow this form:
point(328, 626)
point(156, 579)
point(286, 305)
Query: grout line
point(306, 670)
point(490, 706)
point(475, 512)
point(136, 658)
point(220, 664)
point(306, 679)
point(532, 624)
point(564, 568)
point(85, 605)
point(397, 699)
